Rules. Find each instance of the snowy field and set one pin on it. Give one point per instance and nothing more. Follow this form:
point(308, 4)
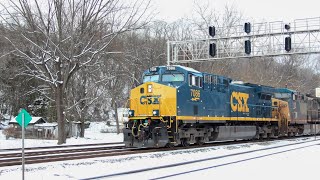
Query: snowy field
point(299, 160)
point(92, 135)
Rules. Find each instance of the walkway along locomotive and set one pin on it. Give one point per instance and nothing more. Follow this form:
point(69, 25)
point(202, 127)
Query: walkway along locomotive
point(178, 105)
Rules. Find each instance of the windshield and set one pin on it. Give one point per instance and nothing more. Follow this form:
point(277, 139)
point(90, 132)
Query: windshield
point(151, 78)
point(172, 77)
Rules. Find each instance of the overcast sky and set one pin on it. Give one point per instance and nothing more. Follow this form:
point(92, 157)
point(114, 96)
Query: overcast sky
point(259, 10)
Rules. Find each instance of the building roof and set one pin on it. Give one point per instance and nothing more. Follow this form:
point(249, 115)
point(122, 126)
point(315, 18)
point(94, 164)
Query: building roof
point(46, 125)
point(34, 120)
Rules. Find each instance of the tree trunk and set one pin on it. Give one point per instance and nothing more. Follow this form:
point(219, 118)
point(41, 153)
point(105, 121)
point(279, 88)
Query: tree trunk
point(82, 125)
point(60, 115)
point(116, 116)
point(83, 105)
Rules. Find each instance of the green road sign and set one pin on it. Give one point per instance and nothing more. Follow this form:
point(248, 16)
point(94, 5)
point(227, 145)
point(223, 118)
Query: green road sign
point(27, 118)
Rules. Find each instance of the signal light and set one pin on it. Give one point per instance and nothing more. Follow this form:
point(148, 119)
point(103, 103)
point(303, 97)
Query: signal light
point(287, 44)
point(212, 49)
point(287, 26)
point(247, 46)
point(212, 31)
point(247, 27)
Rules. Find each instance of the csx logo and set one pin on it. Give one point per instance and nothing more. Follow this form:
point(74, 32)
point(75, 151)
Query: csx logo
point(195, 95)
point(149, 99)
point(239, 102)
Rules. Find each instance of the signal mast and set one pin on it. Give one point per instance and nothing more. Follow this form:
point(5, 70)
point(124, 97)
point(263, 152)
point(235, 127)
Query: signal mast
point(300, 37)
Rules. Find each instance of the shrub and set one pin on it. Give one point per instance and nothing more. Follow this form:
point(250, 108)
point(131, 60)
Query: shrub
point(10, 132)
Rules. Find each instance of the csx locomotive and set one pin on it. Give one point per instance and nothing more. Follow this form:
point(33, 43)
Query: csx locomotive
point(177, 105)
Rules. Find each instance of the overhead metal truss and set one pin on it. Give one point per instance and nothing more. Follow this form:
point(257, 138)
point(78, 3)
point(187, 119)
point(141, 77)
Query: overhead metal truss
point(267, 39)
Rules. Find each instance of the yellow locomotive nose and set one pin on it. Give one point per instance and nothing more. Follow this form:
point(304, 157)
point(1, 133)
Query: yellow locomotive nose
point(152, 99)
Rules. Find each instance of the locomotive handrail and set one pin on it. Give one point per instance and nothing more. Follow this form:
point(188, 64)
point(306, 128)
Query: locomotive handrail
point(132, 130)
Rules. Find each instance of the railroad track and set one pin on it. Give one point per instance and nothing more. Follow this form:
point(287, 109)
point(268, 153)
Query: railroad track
point(40, 156)
point(153, 170)
point(61, 146)
point(34, 155)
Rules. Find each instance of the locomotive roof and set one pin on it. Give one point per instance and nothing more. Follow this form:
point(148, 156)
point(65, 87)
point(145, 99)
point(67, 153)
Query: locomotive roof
point(285, 90)
point(187, 68)
point(184, 68)
point(258, 88)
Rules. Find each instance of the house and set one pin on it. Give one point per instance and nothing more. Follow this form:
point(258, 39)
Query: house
point(50, 130)
point(318, 92)
point(35, 120)
point(39, 128)
point(122, 115)
point(14, 129)
point(46, 131)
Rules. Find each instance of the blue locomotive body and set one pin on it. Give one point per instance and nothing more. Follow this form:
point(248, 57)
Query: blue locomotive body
point(178, 105)
point(206, 96)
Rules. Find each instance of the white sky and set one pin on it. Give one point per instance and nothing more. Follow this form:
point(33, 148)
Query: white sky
point(259, 10)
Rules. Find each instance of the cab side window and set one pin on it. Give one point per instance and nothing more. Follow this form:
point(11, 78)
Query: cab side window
point(195, 81)
point(200, 82)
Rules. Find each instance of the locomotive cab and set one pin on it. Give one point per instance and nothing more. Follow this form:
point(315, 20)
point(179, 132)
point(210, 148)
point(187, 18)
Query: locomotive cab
point(153, 107)
point(170, 75)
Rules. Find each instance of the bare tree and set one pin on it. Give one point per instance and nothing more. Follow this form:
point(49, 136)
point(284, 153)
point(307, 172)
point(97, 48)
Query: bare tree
point(57, 38)
point(226, 22)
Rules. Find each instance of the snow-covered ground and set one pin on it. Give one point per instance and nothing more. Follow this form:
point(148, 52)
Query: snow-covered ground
point(300, 160)
point(92, 135)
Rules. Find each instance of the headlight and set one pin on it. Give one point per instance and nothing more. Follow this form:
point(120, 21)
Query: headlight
point(131, 113)
point(149, 88)
point(155, 112)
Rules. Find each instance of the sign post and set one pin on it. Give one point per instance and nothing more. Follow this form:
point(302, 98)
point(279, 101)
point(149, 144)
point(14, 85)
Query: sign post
point(22, 147)
point(23, 119)
point(317, 95)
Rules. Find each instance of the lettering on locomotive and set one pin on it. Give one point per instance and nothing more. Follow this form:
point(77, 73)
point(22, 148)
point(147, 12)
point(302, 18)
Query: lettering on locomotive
point(239, 102)
point(150, 99)
point(195, 95)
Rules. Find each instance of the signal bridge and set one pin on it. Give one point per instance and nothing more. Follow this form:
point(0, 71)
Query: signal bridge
point(302, 36)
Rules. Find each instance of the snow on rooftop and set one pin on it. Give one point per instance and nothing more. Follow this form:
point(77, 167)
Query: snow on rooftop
point(187, 68)
point(46, 125)
point(237, 82)
point(33, 120)
point(183, 67)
